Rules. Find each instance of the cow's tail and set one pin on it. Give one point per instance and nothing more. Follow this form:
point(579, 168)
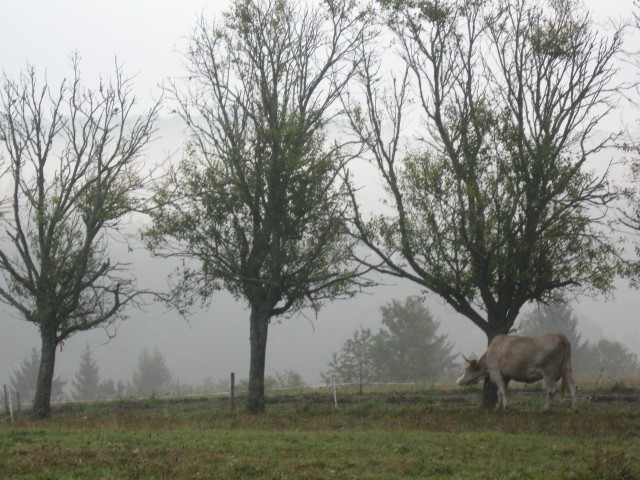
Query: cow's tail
point(566, 359)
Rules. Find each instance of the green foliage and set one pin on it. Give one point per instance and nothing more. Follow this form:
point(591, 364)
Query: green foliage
point(73, 156)
point(256, 205)
point(355, 363)
point(256, 201)
point(610, 359)
point(63, 212)
point(25, 377)
point(152, 376)
point(495, 204)
point(406, 349)
point(630, 216)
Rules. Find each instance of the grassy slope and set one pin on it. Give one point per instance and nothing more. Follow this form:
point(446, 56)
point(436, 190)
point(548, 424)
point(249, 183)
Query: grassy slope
point(423, 435)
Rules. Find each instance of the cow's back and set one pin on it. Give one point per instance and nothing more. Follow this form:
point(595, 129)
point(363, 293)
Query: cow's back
point(524, 358)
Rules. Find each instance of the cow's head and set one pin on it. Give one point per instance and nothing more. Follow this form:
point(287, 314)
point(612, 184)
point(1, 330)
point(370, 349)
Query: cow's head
point(473, 373)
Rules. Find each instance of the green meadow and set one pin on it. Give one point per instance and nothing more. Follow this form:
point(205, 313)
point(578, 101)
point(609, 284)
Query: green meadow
point(419, 433)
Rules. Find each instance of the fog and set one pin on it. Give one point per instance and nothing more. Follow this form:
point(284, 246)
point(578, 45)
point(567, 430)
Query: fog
point(214, 341)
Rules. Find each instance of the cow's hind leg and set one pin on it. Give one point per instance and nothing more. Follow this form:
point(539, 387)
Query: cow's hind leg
point(568, 382)
point(550, 386)
point(500, 401)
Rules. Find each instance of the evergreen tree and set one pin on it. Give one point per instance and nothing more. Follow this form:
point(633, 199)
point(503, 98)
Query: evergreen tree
point(552, 318)
point(559, 318)
point(121, 388)
point(606, 357)
point(25, 377)
point(408, 348)
point(107, 389)
point(87, 380)
point(611, 360)
point(152, 374)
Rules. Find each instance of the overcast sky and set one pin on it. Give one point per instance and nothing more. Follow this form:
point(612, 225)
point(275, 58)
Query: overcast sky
point(145, 36)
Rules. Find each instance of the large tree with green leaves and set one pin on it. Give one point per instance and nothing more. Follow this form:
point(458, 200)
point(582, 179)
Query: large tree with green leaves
point(72, 158)
point(255, 206)
point(495, 200)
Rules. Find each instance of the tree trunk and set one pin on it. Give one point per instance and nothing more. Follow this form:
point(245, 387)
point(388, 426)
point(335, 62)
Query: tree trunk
point(490, 390)
point(42, 401)
point(258, 340)
point(489, 394)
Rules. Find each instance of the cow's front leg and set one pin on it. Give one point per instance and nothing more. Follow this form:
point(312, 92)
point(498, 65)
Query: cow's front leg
point(502, 392)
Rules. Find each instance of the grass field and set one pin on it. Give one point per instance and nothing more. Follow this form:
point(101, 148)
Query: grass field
point(429, 433)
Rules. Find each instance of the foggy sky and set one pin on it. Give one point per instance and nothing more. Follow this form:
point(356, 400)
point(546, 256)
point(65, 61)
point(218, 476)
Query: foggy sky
point(144, 35)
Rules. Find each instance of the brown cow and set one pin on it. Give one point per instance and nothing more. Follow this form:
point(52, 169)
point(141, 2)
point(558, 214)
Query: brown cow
point(524, 359)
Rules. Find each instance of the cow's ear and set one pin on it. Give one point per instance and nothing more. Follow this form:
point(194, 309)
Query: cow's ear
point(473, 364)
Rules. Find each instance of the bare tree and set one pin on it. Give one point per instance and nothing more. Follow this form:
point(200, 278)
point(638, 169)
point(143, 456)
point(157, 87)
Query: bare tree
point(630, 215)
point(495, 203)
point(256, 205)
point(72, 172)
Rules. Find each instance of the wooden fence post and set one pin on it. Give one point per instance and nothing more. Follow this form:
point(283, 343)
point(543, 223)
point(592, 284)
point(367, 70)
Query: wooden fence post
point(6, 399)
point(18, 402)
point(233, 390)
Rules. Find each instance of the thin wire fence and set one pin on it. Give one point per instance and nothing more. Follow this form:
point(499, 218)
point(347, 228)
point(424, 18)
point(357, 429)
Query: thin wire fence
point(335, 393)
